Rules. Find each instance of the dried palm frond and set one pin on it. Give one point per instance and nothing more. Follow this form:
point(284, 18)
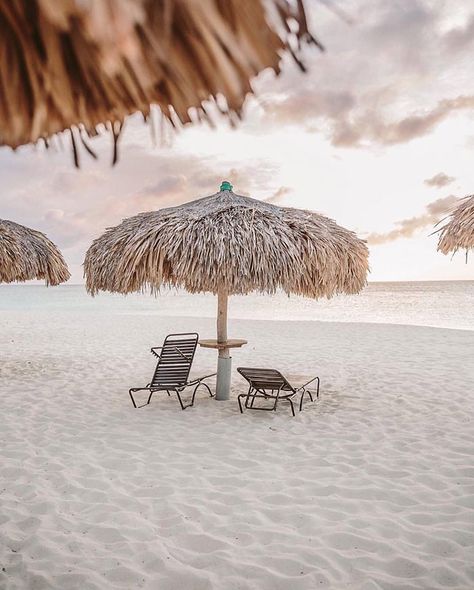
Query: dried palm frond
point(230, 242)
point(458, 232)
point(85, 64)
point(27, 254)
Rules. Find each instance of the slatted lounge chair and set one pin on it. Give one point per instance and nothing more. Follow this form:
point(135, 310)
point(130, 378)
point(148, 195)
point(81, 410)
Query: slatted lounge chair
point(270, 384)
point(172, 370)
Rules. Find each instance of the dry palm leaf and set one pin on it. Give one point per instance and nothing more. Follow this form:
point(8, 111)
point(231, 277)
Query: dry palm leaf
point(227, 241)
point(27, 254)
point(458, 232)
point(85, 65)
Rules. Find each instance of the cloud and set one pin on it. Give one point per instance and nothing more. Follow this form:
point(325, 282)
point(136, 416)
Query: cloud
point(375, 130)
point(439, 180)
point(173, 184)
point(278, 195)
point(406, 228)
point(350, 122)
point(460, 38)
point(367, 89)
point(75, 206)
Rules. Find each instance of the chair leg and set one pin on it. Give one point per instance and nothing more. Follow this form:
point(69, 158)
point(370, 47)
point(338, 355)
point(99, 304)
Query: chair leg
point(275, 404)
point(183, 407)
point(208, 388)
point(310, 395)
point(302, 398)
point(251, 403)
point(142, 405)
point(292, 407)
point(247, 397)
point(194, 395)
point(253, 398)
point(131, 396)
point(194, 392)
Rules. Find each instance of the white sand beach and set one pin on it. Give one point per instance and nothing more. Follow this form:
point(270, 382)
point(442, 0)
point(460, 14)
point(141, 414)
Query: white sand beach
point(369, 488)
point(295, 175)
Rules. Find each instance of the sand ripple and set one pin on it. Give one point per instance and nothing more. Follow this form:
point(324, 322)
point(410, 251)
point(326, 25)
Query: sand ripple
point(369, 489)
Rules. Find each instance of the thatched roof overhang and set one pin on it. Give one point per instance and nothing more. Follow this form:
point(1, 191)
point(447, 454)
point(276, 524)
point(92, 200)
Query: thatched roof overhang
point(85, 66)
point(458, 232)
point(231, 242)
point(27, 254)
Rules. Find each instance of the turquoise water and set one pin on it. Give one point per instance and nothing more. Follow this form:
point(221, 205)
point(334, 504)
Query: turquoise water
point(445, 304)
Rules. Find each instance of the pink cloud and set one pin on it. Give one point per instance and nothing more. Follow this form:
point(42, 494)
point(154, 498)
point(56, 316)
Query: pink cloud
point(407, 228)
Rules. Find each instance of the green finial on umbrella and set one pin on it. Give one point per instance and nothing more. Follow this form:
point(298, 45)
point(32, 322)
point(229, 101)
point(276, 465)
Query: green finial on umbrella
point(226, 186)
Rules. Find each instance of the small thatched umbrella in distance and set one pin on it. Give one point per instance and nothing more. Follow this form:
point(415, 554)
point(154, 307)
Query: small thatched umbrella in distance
point(27, 254)
point(228, 244)
point(458, 233)
point(80, 65)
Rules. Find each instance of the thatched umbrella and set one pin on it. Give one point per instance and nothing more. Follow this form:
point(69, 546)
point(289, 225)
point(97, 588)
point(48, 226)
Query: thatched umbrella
point(228, 244)
point(79, 65)
point(458, 233)
point(27, 254)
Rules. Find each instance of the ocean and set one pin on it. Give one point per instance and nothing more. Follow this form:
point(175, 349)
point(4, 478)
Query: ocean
point(442, 304)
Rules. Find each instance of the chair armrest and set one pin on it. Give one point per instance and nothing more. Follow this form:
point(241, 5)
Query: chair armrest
point(199, 379)
point(307, 383)
point(183, 355)
point(154, 348)
point(207, 376)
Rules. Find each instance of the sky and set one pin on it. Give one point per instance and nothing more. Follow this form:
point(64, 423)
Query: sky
point(378, 135)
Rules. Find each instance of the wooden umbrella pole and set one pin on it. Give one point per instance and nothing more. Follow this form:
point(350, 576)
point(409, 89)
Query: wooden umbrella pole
point(224, 361)
point(222, 299)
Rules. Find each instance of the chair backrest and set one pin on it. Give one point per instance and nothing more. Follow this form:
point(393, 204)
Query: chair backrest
point(265, 379)
point(176, 358)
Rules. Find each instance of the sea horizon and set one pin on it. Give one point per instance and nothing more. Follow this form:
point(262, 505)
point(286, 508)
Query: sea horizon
point(438, 304)
point(71, 284)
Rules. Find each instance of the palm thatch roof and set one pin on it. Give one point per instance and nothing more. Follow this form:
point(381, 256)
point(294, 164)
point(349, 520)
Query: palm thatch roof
point(27, 254)
point(227, 241)
point(458, 232)
point(79, 65)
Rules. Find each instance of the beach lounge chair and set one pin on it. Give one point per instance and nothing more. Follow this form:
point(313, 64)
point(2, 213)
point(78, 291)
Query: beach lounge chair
point(172, 370)
point(270, 384)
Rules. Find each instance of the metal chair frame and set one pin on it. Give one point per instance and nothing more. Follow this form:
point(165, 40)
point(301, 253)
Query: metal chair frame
point(171, 372)
point(263, 381)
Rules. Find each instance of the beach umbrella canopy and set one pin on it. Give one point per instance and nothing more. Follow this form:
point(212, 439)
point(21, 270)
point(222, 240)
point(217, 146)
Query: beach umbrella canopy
point(82, 64)
point(458, 232)
point(27, 254)
point(228, 244)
